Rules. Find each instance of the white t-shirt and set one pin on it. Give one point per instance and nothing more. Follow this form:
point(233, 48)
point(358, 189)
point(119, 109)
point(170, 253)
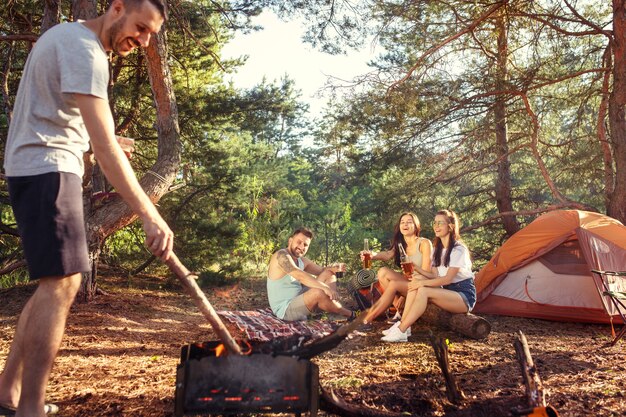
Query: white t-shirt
point(459, 258)
point(47, 132)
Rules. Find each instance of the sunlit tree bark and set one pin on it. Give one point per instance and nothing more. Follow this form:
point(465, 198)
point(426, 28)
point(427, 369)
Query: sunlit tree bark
point(503, 182)
point(617, 107)
point(105, 219)
point(51, 14)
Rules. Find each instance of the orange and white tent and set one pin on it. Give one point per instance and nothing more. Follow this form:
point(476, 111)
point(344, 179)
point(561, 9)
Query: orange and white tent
point(544, 270)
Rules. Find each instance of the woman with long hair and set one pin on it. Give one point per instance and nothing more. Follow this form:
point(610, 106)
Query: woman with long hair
point(418, 250)
point(449, 284)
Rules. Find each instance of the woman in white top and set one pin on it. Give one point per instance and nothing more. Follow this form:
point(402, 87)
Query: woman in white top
point(418, 249)
point(449, 284)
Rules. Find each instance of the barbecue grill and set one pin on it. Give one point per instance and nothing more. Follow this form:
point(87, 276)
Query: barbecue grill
point(230, 384)
point(218, 378)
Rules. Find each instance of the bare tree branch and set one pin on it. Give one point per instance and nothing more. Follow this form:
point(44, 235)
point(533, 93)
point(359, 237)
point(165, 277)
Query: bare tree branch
point(29, 37)
point(495, 217)
point(13, 266)
point(185, 28)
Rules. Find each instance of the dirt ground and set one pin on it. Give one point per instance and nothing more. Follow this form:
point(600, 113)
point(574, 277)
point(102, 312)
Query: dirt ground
point(120, 352)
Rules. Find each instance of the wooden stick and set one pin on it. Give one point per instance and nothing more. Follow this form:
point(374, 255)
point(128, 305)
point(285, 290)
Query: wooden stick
point(534, 387)
point(453, 392)
point(334, 404)
point(188, 280)
point(330, 341)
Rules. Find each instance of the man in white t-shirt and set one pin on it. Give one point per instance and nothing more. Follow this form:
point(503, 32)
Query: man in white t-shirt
point(60, 110)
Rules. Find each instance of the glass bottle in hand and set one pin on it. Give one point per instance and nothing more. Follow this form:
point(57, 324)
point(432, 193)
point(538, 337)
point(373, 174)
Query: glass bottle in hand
point(367, 255)
point(405, 263)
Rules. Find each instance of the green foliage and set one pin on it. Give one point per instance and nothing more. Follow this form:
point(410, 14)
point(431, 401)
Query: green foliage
point(125, 248)
point(14, 278)
point(427, 143)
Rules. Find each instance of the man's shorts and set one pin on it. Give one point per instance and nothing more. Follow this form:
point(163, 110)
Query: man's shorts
point(467, 291)
point(297, 309)
point(49, 213)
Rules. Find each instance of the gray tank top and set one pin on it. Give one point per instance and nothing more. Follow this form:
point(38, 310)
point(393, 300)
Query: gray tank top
point(280, 292)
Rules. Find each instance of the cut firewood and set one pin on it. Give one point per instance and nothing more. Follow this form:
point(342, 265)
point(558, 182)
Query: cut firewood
point(468, 324)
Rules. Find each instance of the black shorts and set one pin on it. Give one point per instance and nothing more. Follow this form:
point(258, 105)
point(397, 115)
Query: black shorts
point(49, 213)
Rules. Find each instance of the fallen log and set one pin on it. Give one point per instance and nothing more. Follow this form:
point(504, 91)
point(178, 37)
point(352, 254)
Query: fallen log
point(469, 325)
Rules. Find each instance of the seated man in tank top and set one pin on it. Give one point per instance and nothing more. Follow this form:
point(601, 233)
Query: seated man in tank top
point(297, 286)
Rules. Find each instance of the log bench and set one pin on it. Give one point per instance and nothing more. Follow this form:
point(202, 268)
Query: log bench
point(467, 324)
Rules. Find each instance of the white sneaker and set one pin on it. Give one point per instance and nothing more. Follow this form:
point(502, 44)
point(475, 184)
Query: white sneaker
point(397, 324)
point(395, 335)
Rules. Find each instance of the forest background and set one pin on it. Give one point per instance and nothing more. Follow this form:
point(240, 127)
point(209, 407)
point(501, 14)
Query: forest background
point(497, 110)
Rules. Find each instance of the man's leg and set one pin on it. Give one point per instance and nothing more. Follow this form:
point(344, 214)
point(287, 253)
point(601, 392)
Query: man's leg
point(330, 279)
point(36, 343)
point(316, 298)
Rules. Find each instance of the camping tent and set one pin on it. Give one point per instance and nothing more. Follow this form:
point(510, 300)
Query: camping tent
point(543, 271)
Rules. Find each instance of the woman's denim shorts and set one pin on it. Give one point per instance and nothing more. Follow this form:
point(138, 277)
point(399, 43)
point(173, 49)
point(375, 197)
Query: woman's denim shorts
point(466, 289)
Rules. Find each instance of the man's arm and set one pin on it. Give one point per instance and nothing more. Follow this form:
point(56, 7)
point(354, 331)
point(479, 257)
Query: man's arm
point(99, 123)
point(313, 268)
point(288, 266)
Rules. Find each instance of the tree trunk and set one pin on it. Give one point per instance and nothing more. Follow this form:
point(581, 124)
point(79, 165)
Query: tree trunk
point(51, 15)
point(503, 182)
point(114, 214)
point(467, 324)
point(607, 154)
point(617, 122)
point(84, 9)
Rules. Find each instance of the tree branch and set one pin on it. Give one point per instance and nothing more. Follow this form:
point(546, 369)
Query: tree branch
point(331, 403)
point(518, 213)
point(13, 266)
point(29, 37)
point(4, 82)
point(446, 41)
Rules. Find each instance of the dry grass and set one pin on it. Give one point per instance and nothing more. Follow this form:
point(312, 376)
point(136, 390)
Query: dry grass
point(120, 353)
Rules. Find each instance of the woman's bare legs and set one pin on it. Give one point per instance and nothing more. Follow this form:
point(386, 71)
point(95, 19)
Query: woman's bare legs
point(417, 301)
point(386, 299)
point(387, 275)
